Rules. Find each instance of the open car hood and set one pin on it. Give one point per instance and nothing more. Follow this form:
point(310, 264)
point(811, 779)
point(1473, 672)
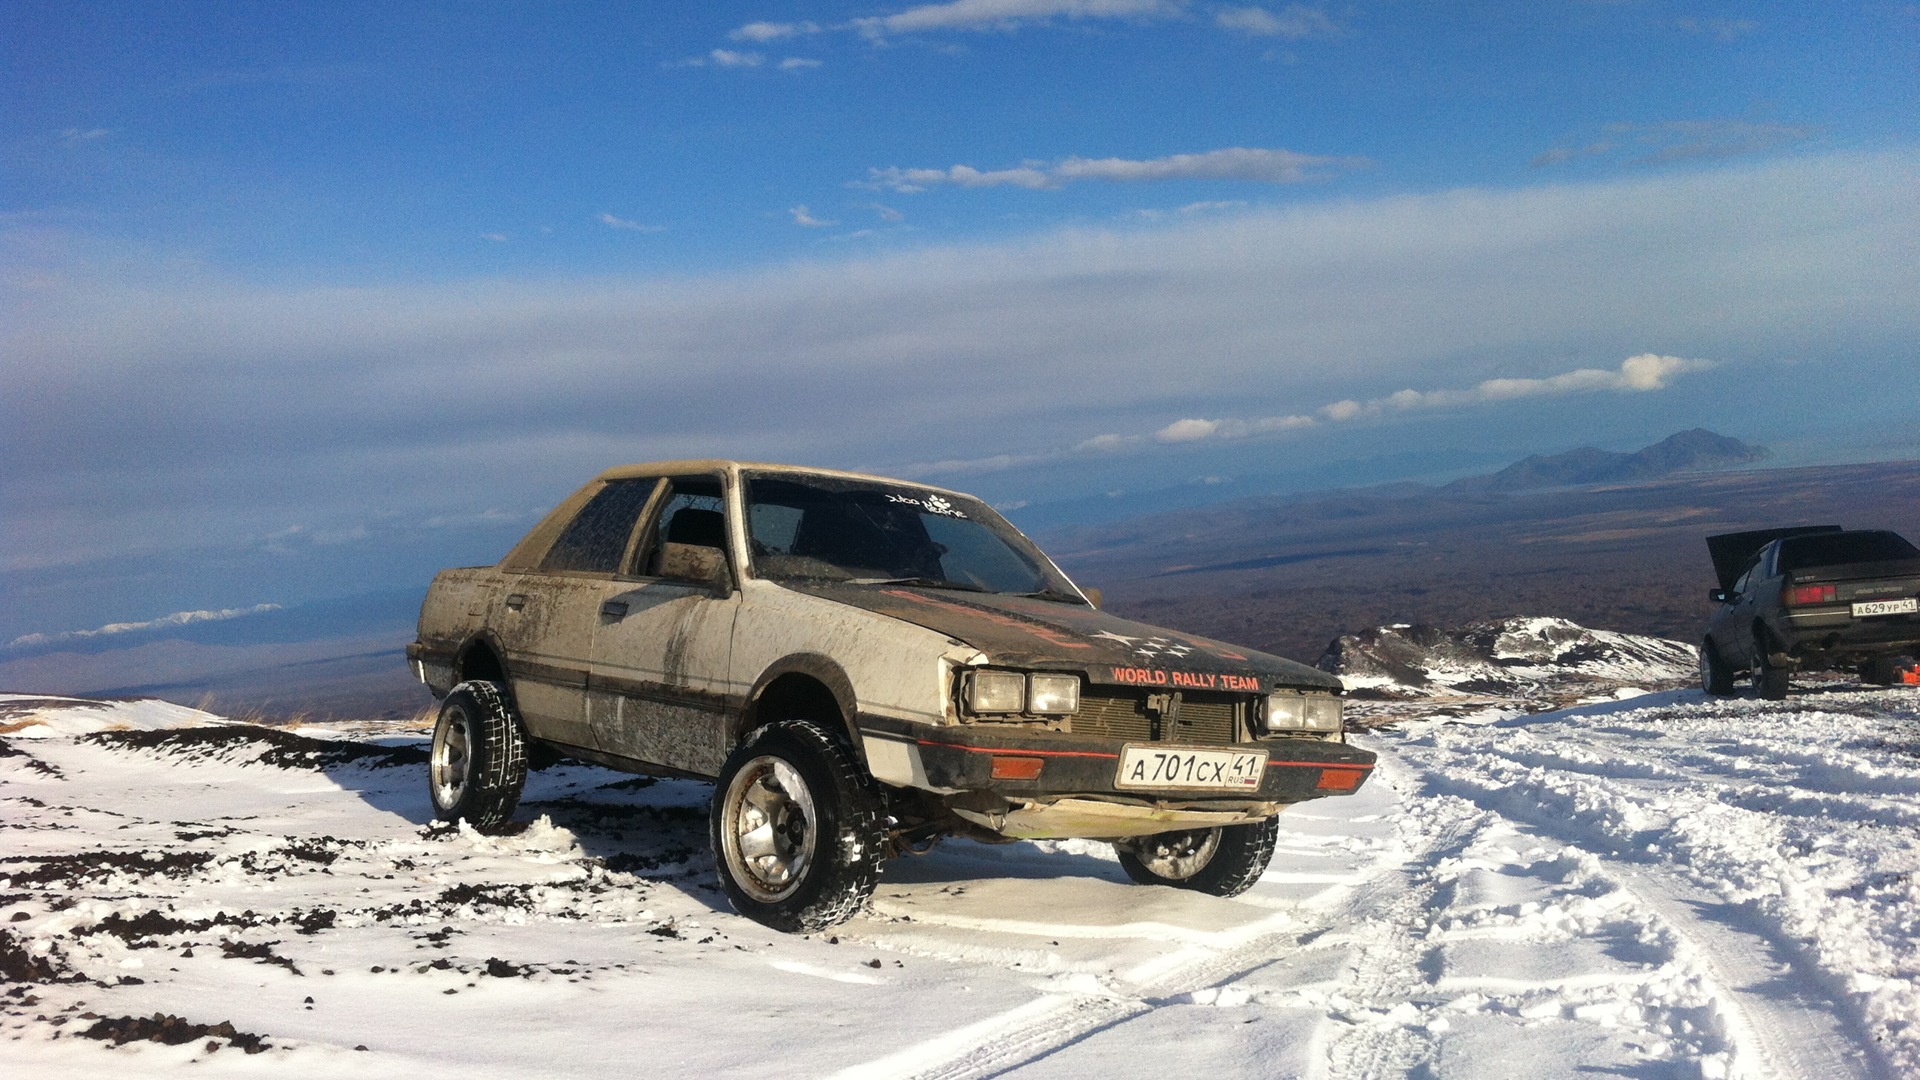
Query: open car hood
point(1731, 551)
point(1024, 632)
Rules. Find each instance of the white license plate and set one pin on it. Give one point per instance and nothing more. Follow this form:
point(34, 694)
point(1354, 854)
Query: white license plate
point(1885, 607)
point(1180, 767)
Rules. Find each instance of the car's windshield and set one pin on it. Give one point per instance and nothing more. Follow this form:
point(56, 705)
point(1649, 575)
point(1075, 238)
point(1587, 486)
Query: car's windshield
point(817, 528)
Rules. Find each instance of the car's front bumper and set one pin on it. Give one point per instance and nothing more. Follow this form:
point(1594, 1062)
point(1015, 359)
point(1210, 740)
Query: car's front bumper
point(1076, 792)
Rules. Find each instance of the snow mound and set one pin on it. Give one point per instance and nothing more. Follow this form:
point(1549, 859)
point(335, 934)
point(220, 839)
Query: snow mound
point(1518, 658)
point(40, 716)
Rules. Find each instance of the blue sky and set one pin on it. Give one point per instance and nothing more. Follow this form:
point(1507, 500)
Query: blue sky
point(306, 299)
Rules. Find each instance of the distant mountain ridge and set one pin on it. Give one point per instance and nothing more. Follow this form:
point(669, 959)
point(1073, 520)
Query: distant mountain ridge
point(1683, 451)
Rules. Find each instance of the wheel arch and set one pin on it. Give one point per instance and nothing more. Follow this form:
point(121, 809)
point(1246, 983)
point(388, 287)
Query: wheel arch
point(805, 686)
point(481, 658)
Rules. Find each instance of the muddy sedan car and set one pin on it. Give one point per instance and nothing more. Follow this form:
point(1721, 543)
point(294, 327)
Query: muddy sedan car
point(862, 666)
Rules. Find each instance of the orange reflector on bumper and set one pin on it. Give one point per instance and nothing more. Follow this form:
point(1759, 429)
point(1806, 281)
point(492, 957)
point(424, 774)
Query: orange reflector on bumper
point(1339, 779)
point(1017, 768)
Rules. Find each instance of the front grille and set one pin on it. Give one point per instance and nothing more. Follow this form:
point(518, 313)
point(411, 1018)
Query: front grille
point(1204, 719)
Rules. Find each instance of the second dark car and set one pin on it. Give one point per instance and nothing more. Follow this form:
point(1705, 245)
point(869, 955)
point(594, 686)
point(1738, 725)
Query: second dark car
point(1811, 596)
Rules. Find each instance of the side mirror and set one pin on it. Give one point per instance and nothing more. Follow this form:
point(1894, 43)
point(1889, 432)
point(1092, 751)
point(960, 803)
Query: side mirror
point(1722, 596)
point(695, 563)
point(1094, 596)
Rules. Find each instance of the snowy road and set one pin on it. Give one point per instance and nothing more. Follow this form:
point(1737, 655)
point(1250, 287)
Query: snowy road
point(1661, 887)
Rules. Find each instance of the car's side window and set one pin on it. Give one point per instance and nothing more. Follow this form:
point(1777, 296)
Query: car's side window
point(1740, 584)
point(595, 539)
point(693, 512)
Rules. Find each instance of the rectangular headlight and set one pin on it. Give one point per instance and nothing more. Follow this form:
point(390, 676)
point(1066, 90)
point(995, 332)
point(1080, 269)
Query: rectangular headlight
point(1294, 711)
point(1053, 695)
point(996, 692)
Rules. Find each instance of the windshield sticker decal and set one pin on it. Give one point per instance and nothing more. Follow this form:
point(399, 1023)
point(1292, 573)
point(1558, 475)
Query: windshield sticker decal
point(932, 504)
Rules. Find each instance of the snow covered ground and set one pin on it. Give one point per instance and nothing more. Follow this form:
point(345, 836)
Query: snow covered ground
point(1657, 887)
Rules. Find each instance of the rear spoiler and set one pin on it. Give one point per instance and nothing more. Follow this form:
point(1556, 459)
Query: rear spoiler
point(1731, 551)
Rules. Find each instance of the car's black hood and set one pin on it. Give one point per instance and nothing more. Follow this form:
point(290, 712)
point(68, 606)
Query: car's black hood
point(1024, 632)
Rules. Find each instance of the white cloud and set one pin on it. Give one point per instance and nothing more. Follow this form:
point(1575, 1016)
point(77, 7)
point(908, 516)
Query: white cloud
point(1295, 22)
point(1187, 430)
point(236, 403)
point(629, 225)
point(887, 213)
point(1642, 373)
point(763, 32)
point(1234, 163)
point(1010, 14)
point(798, 63)
point(803, 218)
point(73, 136)
point(498, 238)
point(178, 618)
point(732, 59)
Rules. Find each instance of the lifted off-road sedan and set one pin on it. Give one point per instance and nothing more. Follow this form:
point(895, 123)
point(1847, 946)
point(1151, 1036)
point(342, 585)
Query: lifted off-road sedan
point(1815, 596)
point(862, 666)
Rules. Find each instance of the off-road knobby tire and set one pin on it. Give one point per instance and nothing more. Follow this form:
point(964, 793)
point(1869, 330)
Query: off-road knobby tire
point(1716, 678)
point(483, 788)
point(832, 856)
point(1880, 671)
point(1239, 858)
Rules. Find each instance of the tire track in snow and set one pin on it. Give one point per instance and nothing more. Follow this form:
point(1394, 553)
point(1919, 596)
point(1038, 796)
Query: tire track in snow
point(1779, 1032)
point(1776, 1027)
point(1025, 1034)
point(1367, 1034)
point(1212, 960)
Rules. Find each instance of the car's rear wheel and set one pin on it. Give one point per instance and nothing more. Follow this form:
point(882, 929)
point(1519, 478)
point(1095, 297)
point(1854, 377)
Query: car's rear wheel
point(477, 766)
point(1881, 671)
point(1770, 680)
point(797, 829)
point(1222, 861)
point(1715, 677)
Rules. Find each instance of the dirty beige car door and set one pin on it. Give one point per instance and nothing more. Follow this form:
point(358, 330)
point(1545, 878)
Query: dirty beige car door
point(545, 618)
point(658, 691)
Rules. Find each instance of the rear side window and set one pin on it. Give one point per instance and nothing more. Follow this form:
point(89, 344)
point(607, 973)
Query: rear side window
point(595, 539)
point(1834, 549)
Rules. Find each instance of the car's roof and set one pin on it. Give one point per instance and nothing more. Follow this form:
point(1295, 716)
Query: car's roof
point(713, 465)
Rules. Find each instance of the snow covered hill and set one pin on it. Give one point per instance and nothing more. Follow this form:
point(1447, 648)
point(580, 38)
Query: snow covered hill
point(1532, 663)
point(1661, 887)
point(39, 716)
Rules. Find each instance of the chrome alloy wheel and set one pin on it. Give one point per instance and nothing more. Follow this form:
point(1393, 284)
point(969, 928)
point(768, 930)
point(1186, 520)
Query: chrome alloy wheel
point(1177, 856)
point(768, 828)
point(451, 759)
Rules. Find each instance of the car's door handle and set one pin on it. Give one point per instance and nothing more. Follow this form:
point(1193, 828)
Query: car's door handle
point(615, 608)
point(516, 601)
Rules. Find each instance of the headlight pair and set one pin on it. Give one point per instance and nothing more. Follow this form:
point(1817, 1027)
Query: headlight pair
point(1293, 710)
point(1005, 693)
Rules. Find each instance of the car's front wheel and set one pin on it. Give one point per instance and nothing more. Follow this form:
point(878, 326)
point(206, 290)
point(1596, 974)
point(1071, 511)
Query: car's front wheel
point(1222, 861)
point(798, 833)
point(1715, 677)
point(478, 763)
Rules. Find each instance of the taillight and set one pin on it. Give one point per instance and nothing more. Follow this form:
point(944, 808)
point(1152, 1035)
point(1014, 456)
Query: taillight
point(1812, 594)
